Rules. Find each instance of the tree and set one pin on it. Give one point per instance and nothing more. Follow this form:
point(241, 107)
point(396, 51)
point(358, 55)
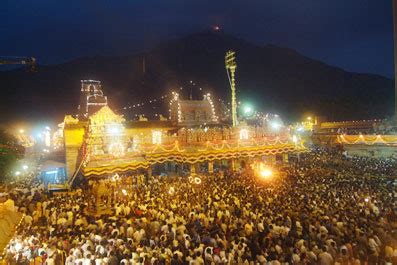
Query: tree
point(10, 152)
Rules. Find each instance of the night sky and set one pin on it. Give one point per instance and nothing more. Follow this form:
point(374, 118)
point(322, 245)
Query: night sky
point(356, 35)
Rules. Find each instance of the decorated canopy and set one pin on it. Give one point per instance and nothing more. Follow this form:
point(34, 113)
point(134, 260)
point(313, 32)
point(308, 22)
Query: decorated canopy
point(368, 139)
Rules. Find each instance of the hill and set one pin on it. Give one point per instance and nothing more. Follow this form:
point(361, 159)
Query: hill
point(272, 78)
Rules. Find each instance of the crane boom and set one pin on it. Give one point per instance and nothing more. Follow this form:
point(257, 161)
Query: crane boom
point(19, 61)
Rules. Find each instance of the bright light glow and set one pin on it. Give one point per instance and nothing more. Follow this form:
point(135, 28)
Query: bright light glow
point(17, 173)
point(114, 130)
point(243, 134)
point(300, 129)
point(21, 131)
point(18, 247)
point(247, 109)
point(266, 173)
point(171, 191)
point(25, 167)
point(124, 191)
point(309, 118)
point(294, 138)
point(275, 125)
point(366, 199)
point(156, 137)
point(262, 170)
point(48, 128)
point(51, 172)
point(47, 138)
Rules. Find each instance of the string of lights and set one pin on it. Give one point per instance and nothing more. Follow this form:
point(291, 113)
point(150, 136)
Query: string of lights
point(143, 103)
point(157, 99)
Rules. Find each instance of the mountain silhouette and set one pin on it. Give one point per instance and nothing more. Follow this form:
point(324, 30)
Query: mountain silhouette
point(271, 78)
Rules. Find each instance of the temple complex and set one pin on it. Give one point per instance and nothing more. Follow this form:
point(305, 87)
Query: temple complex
point(101, 143)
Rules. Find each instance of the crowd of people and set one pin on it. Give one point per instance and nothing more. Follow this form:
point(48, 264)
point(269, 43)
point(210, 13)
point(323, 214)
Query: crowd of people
point(329, 209)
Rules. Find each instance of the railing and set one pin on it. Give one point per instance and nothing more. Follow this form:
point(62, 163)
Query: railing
point(199, 146)
point(183, 140)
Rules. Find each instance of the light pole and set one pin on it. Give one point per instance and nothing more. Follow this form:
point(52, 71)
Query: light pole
point(231, 66)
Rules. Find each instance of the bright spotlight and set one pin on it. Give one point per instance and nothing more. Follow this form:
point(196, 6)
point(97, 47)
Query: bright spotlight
point(247, 110)
point(21, 131)
point(17, 173)
point(25, 167)
point(124, 191)
point(114, 130)
point(262, 170)
point(48, 128)
point(266, 173)
point(18, 247)
point(275, 125)
point(171, 191)
point(294, 138)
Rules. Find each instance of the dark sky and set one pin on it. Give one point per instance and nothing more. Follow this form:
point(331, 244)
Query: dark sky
point(353, 34)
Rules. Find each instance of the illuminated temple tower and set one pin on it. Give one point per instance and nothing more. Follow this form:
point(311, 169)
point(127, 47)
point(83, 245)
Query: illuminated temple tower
point(193, 112)
point(91, 98)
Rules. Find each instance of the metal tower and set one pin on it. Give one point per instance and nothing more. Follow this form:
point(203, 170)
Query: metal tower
point(230, 63)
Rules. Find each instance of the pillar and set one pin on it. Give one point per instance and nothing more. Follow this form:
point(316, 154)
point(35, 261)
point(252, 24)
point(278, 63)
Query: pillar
point(179, 168)
point(245, 163)
point(272, 159)
point(234, 164)
point(210, 167)
point(285, 159)
point(193, 169)
point(149, 172)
